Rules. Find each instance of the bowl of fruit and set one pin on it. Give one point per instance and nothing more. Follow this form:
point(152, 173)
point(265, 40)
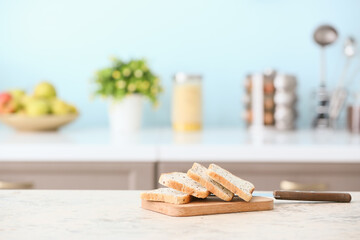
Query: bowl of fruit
point(40, 111)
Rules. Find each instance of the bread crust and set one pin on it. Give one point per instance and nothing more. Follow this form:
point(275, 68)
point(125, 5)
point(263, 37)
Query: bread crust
point(223, 181)
point(182, 187)
point(209, 186)
point(161, 197)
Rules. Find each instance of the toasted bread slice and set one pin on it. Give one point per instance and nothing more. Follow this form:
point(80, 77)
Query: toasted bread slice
point(238, 186)
point(181, 182)
point(168, 195)
point(198, 173)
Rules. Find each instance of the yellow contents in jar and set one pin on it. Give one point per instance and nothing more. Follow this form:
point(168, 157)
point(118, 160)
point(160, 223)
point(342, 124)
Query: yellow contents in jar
point(187, 110)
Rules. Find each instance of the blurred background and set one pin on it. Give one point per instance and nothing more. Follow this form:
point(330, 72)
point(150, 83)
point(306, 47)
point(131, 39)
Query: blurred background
point(152, 86)
point(65, 42)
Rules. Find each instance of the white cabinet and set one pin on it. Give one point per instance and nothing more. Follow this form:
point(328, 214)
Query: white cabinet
point(79, 175)
point(144, 175)
point(267, 176)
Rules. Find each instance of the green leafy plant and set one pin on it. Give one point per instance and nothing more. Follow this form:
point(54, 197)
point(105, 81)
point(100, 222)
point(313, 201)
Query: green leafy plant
point(124, 78)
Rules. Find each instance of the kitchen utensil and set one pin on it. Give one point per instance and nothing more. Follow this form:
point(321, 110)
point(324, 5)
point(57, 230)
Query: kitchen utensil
point(41, 123)
point(210, 205)
point(323, 36)
point(349, 51)
point(322, 110)
point(339, 96)
point(337, 101)
point(312, 196)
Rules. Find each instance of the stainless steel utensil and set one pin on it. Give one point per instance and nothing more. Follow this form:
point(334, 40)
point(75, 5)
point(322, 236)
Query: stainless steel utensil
point(340, 94)
point(323, 36)
point(354, 74)
point(349, 51)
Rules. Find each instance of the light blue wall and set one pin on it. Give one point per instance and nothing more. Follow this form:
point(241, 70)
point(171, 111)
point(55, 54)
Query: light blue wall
point(66, 41)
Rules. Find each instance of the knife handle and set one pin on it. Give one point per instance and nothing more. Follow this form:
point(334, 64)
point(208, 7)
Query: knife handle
point(312, 196)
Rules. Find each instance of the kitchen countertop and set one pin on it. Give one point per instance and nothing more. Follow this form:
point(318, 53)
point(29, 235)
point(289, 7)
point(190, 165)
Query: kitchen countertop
point(44, 214)
point(163, 145)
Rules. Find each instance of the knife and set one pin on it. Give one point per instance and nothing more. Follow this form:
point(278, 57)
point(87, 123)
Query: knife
point(312, 196)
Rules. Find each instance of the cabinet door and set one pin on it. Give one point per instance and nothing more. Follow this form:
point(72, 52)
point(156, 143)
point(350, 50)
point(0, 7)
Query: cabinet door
point(268, 176)
point(80, 175)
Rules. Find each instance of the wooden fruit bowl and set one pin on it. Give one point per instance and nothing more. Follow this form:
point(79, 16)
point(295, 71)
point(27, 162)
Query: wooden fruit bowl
point(41, 123)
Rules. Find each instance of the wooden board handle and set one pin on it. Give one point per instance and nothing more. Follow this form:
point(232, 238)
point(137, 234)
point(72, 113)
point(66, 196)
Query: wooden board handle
point(312, 196)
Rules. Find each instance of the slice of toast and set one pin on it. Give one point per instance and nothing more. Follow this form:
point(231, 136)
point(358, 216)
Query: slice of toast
point(168, 195)
point(181, 182)
point(198, 173)
point(240, 187)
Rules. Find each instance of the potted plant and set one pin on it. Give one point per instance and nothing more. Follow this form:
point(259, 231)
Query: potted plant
point(126, 84)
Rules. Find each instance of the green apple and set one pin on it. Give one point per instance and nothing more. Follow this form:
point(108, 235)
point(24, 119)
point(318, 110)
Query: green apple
point(59, 107)
point(25, 99)
point(37, 107)
point(17, 93)
point(45, 90)
point(73, 109)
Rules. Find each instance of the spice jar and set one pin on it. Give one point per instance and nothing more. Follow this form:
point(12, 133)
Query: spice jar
point(187, 102)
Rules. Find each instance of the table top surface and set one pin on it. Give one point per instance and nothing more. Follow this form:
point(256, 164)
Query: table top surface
point(164, 145)
point(56, 214)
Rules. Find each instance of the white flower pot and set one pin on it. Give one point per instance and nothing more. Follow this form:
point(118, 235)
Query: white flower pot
point(125, 115)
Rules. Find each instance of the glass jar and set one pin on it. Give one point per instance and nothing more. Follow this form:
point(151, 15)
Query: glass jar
point(187, 102)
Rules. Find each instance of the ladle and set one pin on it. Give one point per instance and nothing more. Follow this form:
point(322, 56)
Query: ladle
point(324, 36)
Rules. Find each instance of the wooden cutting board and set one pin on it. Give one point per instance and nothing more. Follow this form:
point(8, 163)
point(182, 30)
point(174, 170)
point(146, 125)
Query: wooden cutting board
point(210, 205)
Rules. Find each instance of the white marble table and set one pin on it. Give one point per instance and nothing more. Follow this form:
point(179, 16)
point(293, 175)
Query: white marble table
point(42, 214)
